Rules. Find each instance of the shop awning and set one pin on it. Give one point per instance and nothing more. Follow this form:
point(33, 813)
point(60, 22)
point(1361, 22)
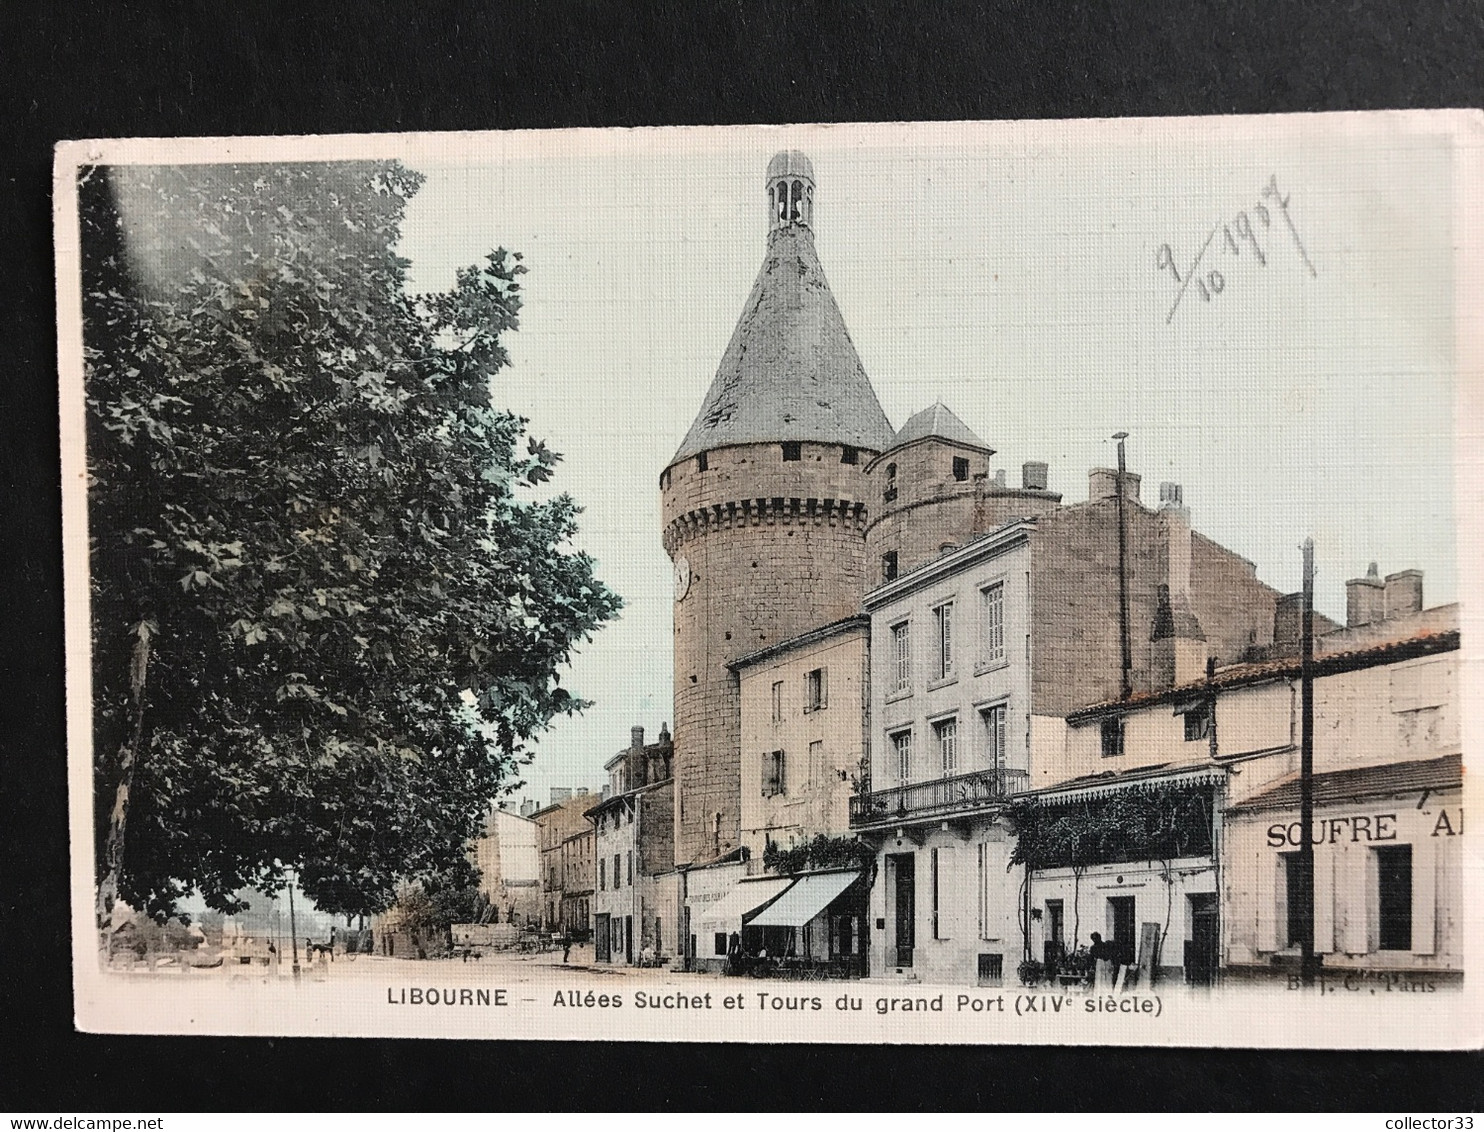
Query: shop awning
point(809, 896)
point(747, 896)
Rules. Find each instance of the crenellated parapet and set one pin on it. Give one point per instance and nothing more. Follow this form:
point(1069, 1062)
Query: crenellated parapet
point(736, 514)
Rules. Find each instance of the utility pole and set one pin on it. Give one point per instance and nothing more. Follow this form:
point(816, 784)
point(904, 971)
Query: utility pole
point(1309, 969)
point(1127, 684)
point(293, 931)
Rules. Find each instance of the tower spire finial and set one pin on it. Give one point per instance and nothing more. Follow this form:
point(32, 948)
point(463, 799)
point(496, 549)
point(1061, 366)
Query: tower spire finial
point(790, 190)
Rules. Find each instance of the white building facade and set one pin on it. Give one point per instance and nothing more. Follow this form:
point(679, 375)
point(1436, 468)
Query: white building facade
point(949, 741)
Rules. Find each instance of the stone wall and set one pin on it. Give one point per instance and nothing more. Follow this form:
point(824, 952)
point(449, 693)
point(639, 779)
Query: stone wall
point(774, 548)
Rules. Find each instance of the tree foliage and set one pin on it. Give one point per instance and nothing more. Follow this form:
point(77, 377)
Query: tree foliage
point(820, 852)
point(1159, 822)
point(327, 617)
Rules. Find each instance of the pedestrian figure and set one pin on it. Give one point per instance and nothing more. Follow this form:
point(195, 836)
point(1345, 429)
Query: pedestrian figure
point(734, 954)
point(566, 946)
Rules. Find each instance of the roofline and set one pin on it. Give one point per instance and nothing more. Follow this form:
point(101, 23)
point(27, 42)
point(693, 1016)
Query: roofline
point(1074, 789)
point(634, 793)
point(997, 541)
point(1263, 672)
point(893, 449)
point(834, 628)
point(771, 442)
point(1268, 798)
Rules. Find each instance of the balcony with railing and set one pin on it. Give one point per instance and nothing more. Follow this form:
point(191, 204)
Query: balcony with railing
point(937, 797)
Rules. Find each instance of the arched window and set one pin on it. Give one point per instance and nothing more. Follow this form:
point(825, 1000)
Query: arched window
point(795, 199)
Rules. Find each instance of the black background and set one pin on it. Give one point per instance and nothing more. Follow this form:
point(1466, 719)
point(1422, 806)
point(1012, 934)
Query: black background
point(179, 69)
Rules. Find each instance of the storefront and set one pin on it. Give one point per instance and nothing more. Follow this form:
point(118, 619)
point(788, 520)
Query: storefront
point(1133, 858)
point(817, 924)
point(1388, 875)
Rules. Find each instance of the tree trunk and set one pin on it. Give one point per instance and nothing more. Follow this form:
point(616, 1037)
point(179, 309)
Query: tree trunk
point(108, 887)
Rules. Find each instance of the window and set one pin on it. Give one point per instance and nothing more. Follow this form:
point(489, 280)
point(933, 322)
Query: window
point(849, 455)
point(960, 468)
point(991, 969)
point(994, 736)
point(774, 781)
point(888, 565)
point(943, 641)
point(616, 877)
point(901, 654)
point(720, 943)
point(778, 702)
point(1293, 899)
point(814, 772)
point(1112, 737)
point(816, 689)
point(1198, 721)
point(992, 604)
point(793, 450)
point(890, 493)
point(602, 875)
point(1394, 878)
point(901, 743)
point(629, 872)
point(701, 462)
point(946, 733)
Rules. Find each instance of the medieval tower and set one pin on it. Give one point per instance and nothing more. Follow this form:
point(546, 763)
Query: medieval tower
point(764, 504)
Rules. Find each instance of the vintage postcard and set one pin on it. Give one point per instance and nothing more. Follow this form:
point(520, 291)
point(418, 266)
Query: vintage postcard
point(975, 582)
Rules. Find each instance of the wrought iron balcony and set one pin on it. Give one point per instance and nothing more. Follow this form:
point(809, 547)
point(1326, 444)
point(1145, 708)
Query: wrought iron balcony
point(937, 797)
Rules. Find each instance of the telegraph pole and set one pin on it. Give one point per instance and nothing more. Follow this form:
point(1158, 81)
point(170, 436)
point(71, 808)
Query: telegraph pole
point(1127, 684)
point(293, 931)
point(1309, 968)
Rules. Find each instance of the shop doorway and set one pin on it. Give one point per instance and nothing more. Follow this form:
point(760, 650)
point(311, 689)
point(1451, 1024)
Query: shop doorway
point(1200, 948)
point(602, 952)
point(1121, 925)
point(628, 939)
point(904, 892)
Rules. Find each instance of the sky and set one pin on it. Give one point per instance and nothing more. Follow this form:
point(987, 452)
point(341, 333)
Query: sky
point(1016, 272)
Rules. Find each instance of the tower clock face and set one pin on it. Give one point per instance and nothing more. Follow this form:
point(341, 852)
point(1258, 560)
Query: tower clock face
point(682, 577)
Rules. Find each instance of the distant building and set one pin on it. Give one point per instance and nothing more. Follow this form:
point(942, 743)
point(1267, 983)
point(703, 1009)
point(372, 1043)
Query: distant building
point(509, 864)
point(634, 828)
point(565, 840)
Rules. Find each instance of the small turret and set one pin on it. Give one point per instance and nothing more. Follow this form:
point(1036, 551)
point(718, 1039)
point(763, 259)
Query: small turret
point(790, 190)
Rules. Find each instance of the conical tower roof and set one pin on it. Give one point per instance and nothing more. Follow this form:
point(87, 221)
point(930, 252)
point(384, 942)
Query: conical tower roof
point(939, 421)
point(790, 371)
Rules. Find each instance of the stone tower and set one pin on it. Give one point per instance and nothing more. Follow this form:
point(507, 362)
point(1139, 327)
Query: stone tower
point(764, 504)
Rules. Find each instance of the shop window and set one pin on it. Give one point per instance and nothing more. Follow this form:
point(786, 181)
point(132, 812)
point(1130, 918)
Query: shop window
point(774, 774)
point(1112, 737)
point(1293, 900)
point(793, 450)
point(1394, 882)
point(960, 468)
point(991, 969)
point(816, 689)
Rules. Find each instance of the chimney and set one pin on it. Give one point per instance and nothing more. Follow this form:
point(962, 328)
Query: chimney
point(1178, 644)
point(999, 479)
point(1403, 593)
point(1033, 475)
point(636, 737)
point(1365, 599)
point(1288, 616)
point(1102, 484)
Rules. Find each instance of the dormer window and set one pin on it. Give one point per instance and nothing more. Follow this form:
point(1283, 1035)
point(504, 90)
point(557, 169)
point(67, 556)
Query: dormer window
point(701, 462)
point(960, 468)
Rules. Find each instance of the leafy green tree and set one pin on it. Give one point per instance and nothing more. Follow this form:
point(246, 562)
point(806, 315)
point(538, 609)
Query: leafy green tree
point(328, 616)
